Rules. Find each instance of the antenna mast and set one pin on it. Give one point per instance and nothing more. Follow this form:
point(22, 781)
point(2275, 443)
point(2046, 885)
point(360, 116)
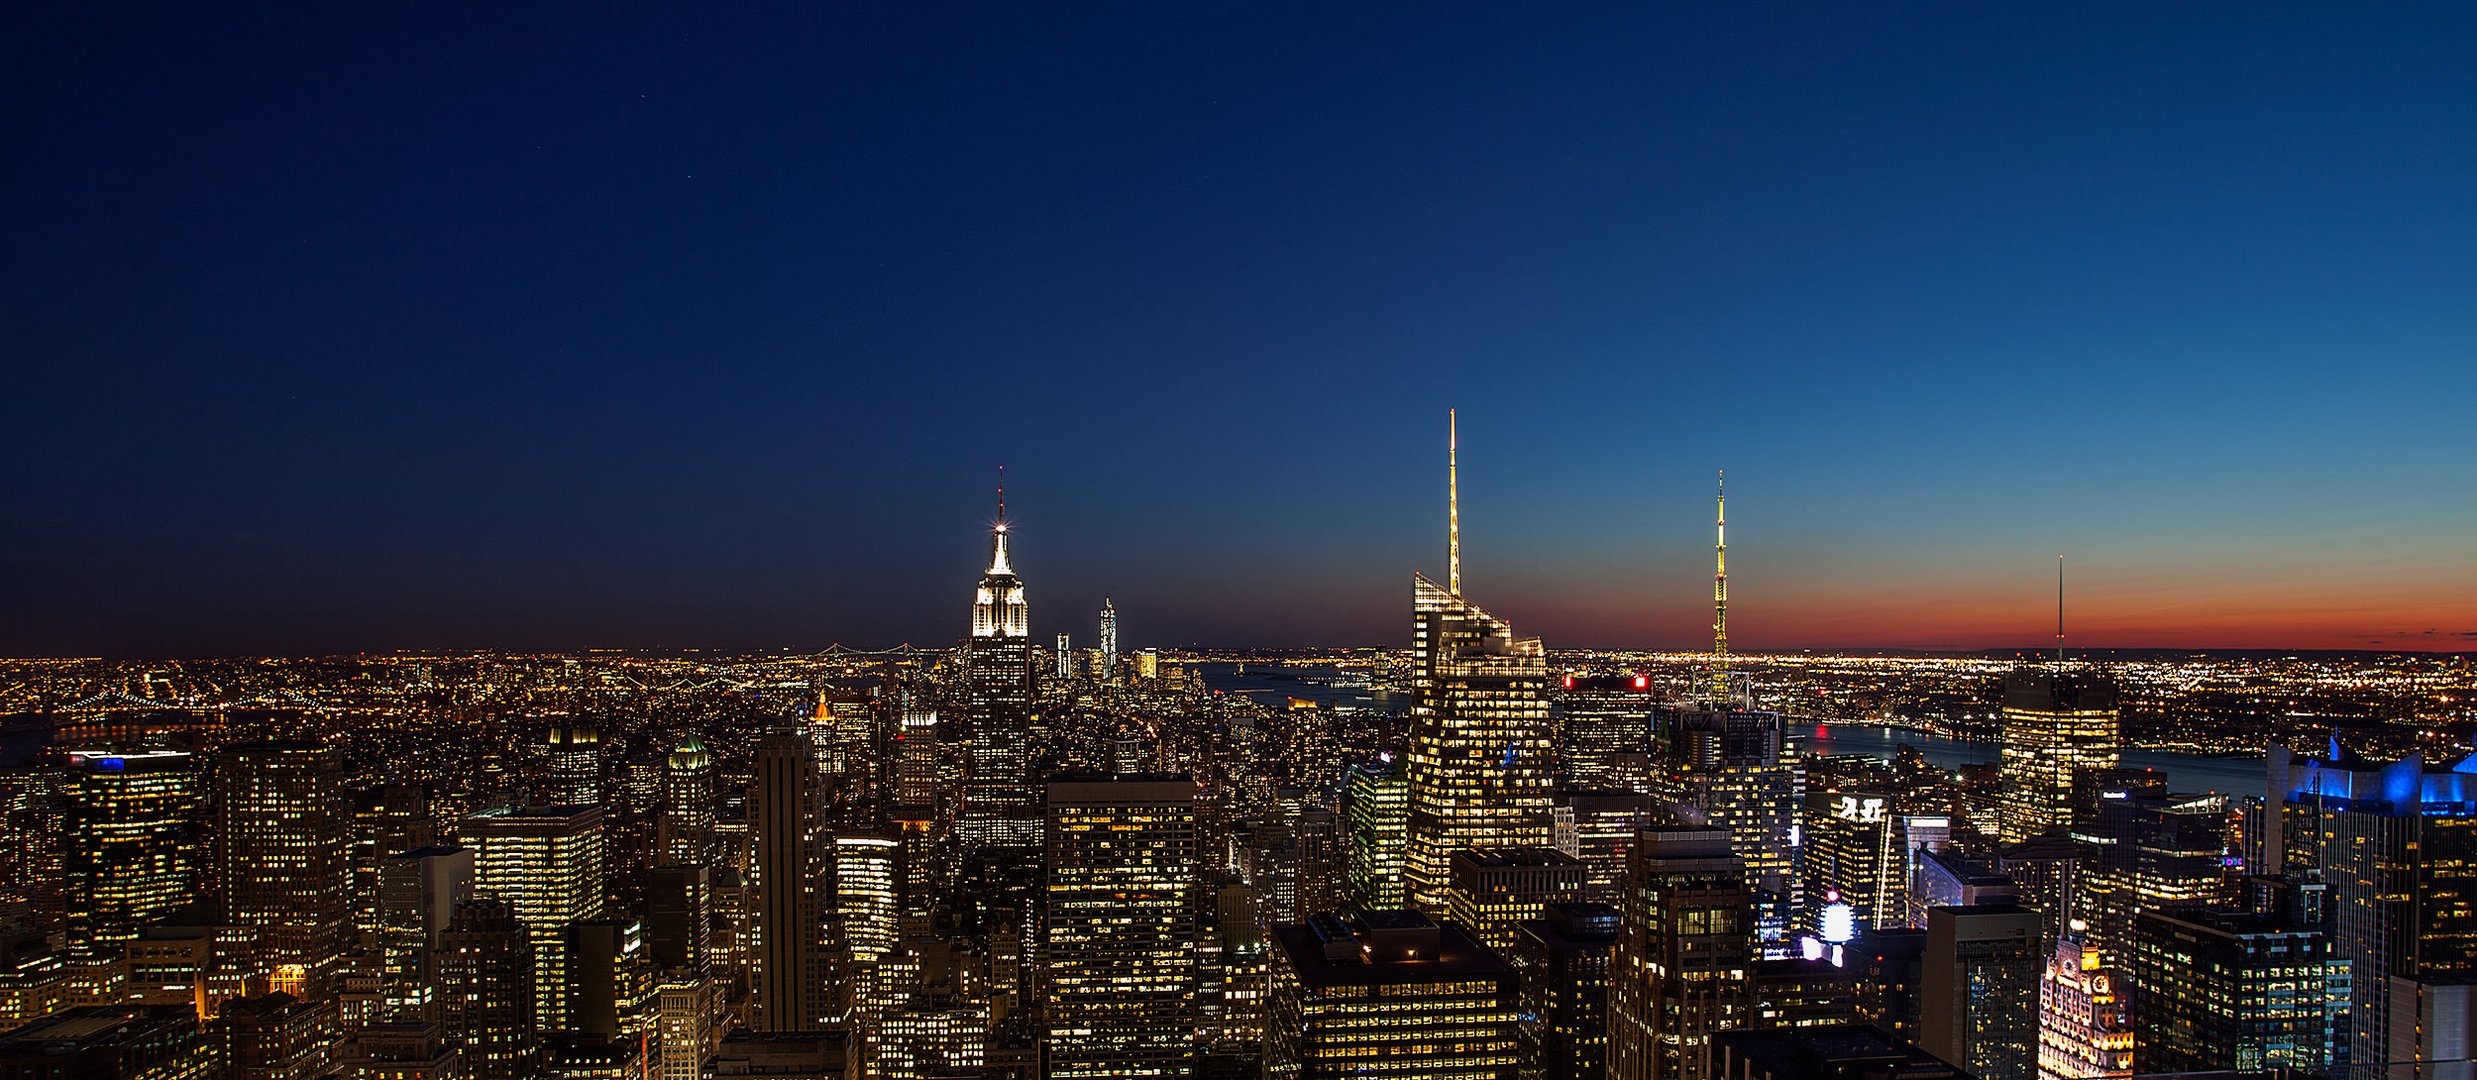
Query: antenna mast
point(2059, 609)
point(1720, 595)
point(1453, 508)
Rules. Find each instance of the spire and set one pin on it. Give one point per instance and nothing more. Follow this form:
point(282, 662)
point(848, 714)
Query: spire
point(997, 557)
point(1720, 594)
point(2059, 609)
point(1453, 509)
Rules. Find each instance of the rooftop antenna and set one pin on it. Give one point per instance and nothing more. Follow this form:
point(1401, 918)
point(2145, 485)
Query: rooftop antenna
point(1720, 594)
point(1453, 508)
point(997, 531)
point(2059, 610)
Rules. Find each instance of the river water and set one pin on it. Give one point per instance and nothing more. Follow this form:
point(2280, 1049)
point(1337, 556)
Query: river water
point(2185, 772)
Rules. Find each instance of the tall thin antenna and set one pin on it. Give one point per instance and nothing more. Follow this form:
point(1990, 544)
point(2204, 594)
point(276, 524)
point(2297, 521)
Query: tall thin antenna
point(1001, 494)
point(2059, 609)
point(1453, 507)
point(1720, 594)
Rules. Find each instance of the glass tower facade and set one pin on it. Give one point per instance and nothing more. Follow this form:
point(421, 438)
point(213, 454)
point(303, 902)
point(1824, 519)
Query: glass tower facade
point(1479, 758)
point(2057, 726)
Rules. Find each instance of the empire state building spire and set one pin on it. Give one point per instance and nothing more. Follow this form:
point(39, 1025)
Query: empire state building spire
point(997, 557)
point(998, 607)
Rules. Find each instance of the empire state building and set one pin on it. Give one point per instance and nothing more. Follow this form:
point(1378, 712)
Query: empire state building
point(998, 808)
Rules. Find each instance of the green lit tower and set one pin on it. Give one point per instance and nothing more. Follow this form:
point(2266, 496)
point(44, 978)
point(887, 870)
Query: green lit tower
point(1720, 597)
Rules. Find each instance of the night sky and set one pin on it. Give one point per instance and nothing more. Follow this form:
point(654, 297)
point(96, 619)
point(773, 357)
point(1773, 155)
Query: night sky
point(362, 327)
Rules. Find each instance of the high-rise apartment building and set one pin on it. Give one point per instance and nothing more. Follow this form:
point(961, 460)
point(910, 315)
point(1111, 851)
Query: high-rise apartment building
point(280, 830)
point(1118, 925)
point(1389, 994)
point(999, 806)
point(1685, 955)
point(485, 969)
point(130, 855)
point(1978, 998)
point(786, 910)
point(548, 864)
point(2058, 725)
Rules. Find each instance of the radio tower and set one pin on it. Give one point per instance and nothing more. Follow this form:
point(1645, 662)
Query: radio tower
point(1720, 598)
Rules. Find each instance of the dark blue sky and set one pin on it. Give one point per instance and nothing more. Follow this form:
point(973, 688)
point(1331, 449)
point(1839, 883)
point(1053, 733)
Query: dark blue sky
point(343, 328)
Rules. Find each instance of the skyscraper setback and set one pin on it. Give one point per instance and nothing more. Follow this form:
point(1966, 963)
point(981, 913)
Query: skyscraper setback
point(1479, 761)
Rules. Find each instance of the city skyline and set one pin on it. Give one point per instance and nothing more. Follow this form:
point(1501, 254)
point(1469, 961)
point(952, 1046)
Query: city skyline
point(691, 332)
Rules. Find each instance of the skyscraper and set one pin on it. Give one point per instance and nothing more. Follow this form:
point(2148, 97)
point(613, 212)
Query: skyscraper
point(572, 749)
point(1684, 957)
point(1479, 756)
point(1118, 926)
point(280, 832)
point(2235, 990)
point(999, 808)
point(2058, 724)
point(1604, 731)
point(418, 894)
point(2397, 844)
point(548, 864)
point(1109, 640)
point(1562, 961)
point(132, 824)
point(485, 970)
point(786, 883)
point(1978, 998)
point(868, 876)
point(1728, 766)
point(1854, 857)
point(1376, 813)
point(688, 805)
point(917, 758)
